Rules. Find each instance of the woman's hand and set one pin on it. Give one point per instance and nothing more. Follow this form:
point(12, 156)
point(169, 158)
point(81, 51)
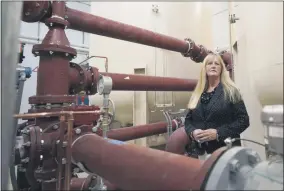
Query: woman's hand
point(207, 135)
point(195, 133)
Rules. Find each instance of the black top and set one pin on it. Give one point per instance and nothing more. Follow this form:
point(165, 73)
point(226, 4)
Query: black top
point(214, 111)
point(205, 99)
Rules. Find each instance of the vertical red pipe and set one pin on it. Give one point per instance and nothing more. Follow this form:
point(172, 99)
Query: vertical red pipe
point(131, 167)
point(55, 54)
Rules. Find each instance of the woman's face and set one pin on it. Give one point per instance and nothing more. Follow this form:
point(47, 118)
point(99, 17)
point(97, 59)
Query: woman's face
point(213, 68)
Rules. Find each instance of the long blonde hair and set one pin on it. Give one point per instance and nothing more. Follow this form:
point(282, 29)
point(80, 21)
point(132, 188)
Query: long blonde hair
point(231, 92)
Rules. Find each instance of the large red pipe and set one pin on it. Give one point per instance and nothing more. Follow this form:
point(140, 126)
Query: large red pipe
point(101, 26)
point(130, 82)
point(131, 167)
point(149, 83)
point(93, 24)
point(89, 23)
point(136, 132)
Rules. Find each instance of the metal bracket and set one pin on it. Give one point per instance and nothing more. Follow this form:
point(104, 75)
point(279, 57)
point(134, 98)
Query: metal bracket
point(168, 115)
point(169, 121)
point(233, 18)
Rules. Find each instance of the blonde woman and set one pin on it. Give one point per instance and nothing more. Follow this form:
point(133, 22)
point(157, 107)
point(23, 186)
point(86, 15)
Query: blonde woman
point(216, 111)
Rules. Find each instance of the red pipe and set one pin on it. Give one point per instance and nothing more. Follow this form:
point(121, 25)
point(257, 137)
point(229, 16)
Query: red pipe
point(130, 82)
point(101, 26)
point(177, 142)
point(131, 167)
point(136, 132)
point(89, 23)
point(98, 25)
point(149, 83)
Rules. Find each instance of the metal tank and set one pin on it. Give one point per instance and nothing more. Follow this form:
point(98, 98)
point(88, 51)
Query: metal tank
point(260, 49)
point(241, 168)
point(258, 61)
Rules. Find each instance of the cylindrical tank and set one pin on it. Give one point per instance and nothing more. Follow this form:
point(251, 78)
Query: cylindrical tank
point(178, 20)
point(258, 58)
point(267, 175)
point(241, 168)
point(260, 35)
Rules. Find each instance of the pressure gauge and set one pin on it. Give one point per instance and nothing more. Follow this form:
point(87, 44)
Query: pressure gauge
point(104, 85)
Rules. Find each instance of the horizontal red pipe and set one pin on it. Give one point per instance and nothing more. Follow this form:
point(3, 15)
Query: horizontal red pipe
point(149, 83)
point(131, 167)
point(139, 131)
point(130, 82)
point(86, 22)
point(101, 26)
point(93, 24)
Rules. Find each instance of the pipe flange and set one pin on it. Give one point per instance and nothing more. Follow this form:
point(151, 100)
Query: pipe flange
point(227, 58)
point(202, 53)
point(54, 49)
point(34, 11)
point(35, 156)
point(203, 175)
point(231, 168)
point(95, 78)
point(82, 81)
point(191, 44)
point(56, 21)
point(52, 99)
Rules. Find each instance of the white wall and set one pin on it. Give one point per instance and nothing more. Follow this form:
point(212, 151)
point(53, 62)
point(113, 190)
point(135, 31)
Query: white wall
point(220, 24)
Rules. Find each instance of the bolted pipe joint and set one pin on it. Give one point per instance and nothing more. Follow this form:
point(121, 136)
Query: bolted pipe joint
point(56, 40)
point(35, 11)
point(191, 44)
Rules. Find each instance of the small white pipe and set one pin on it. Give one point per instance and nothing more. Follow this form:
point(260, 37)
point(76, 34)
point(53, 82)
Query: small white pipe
point(33, 40)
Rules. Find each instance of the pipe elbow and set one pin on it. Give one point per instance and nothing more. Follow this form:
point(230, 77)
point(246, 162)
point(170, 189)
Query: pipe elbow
point(177, 142)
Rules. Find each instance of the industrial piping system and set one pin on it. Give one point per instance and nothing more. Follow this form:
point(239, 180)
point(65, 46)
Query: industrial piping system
point(61, 138)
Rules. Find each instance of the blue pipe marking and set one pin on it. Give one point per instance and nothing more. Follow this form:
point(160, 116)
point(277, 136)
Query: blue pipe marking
point(116, 142)
point(28, 71)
